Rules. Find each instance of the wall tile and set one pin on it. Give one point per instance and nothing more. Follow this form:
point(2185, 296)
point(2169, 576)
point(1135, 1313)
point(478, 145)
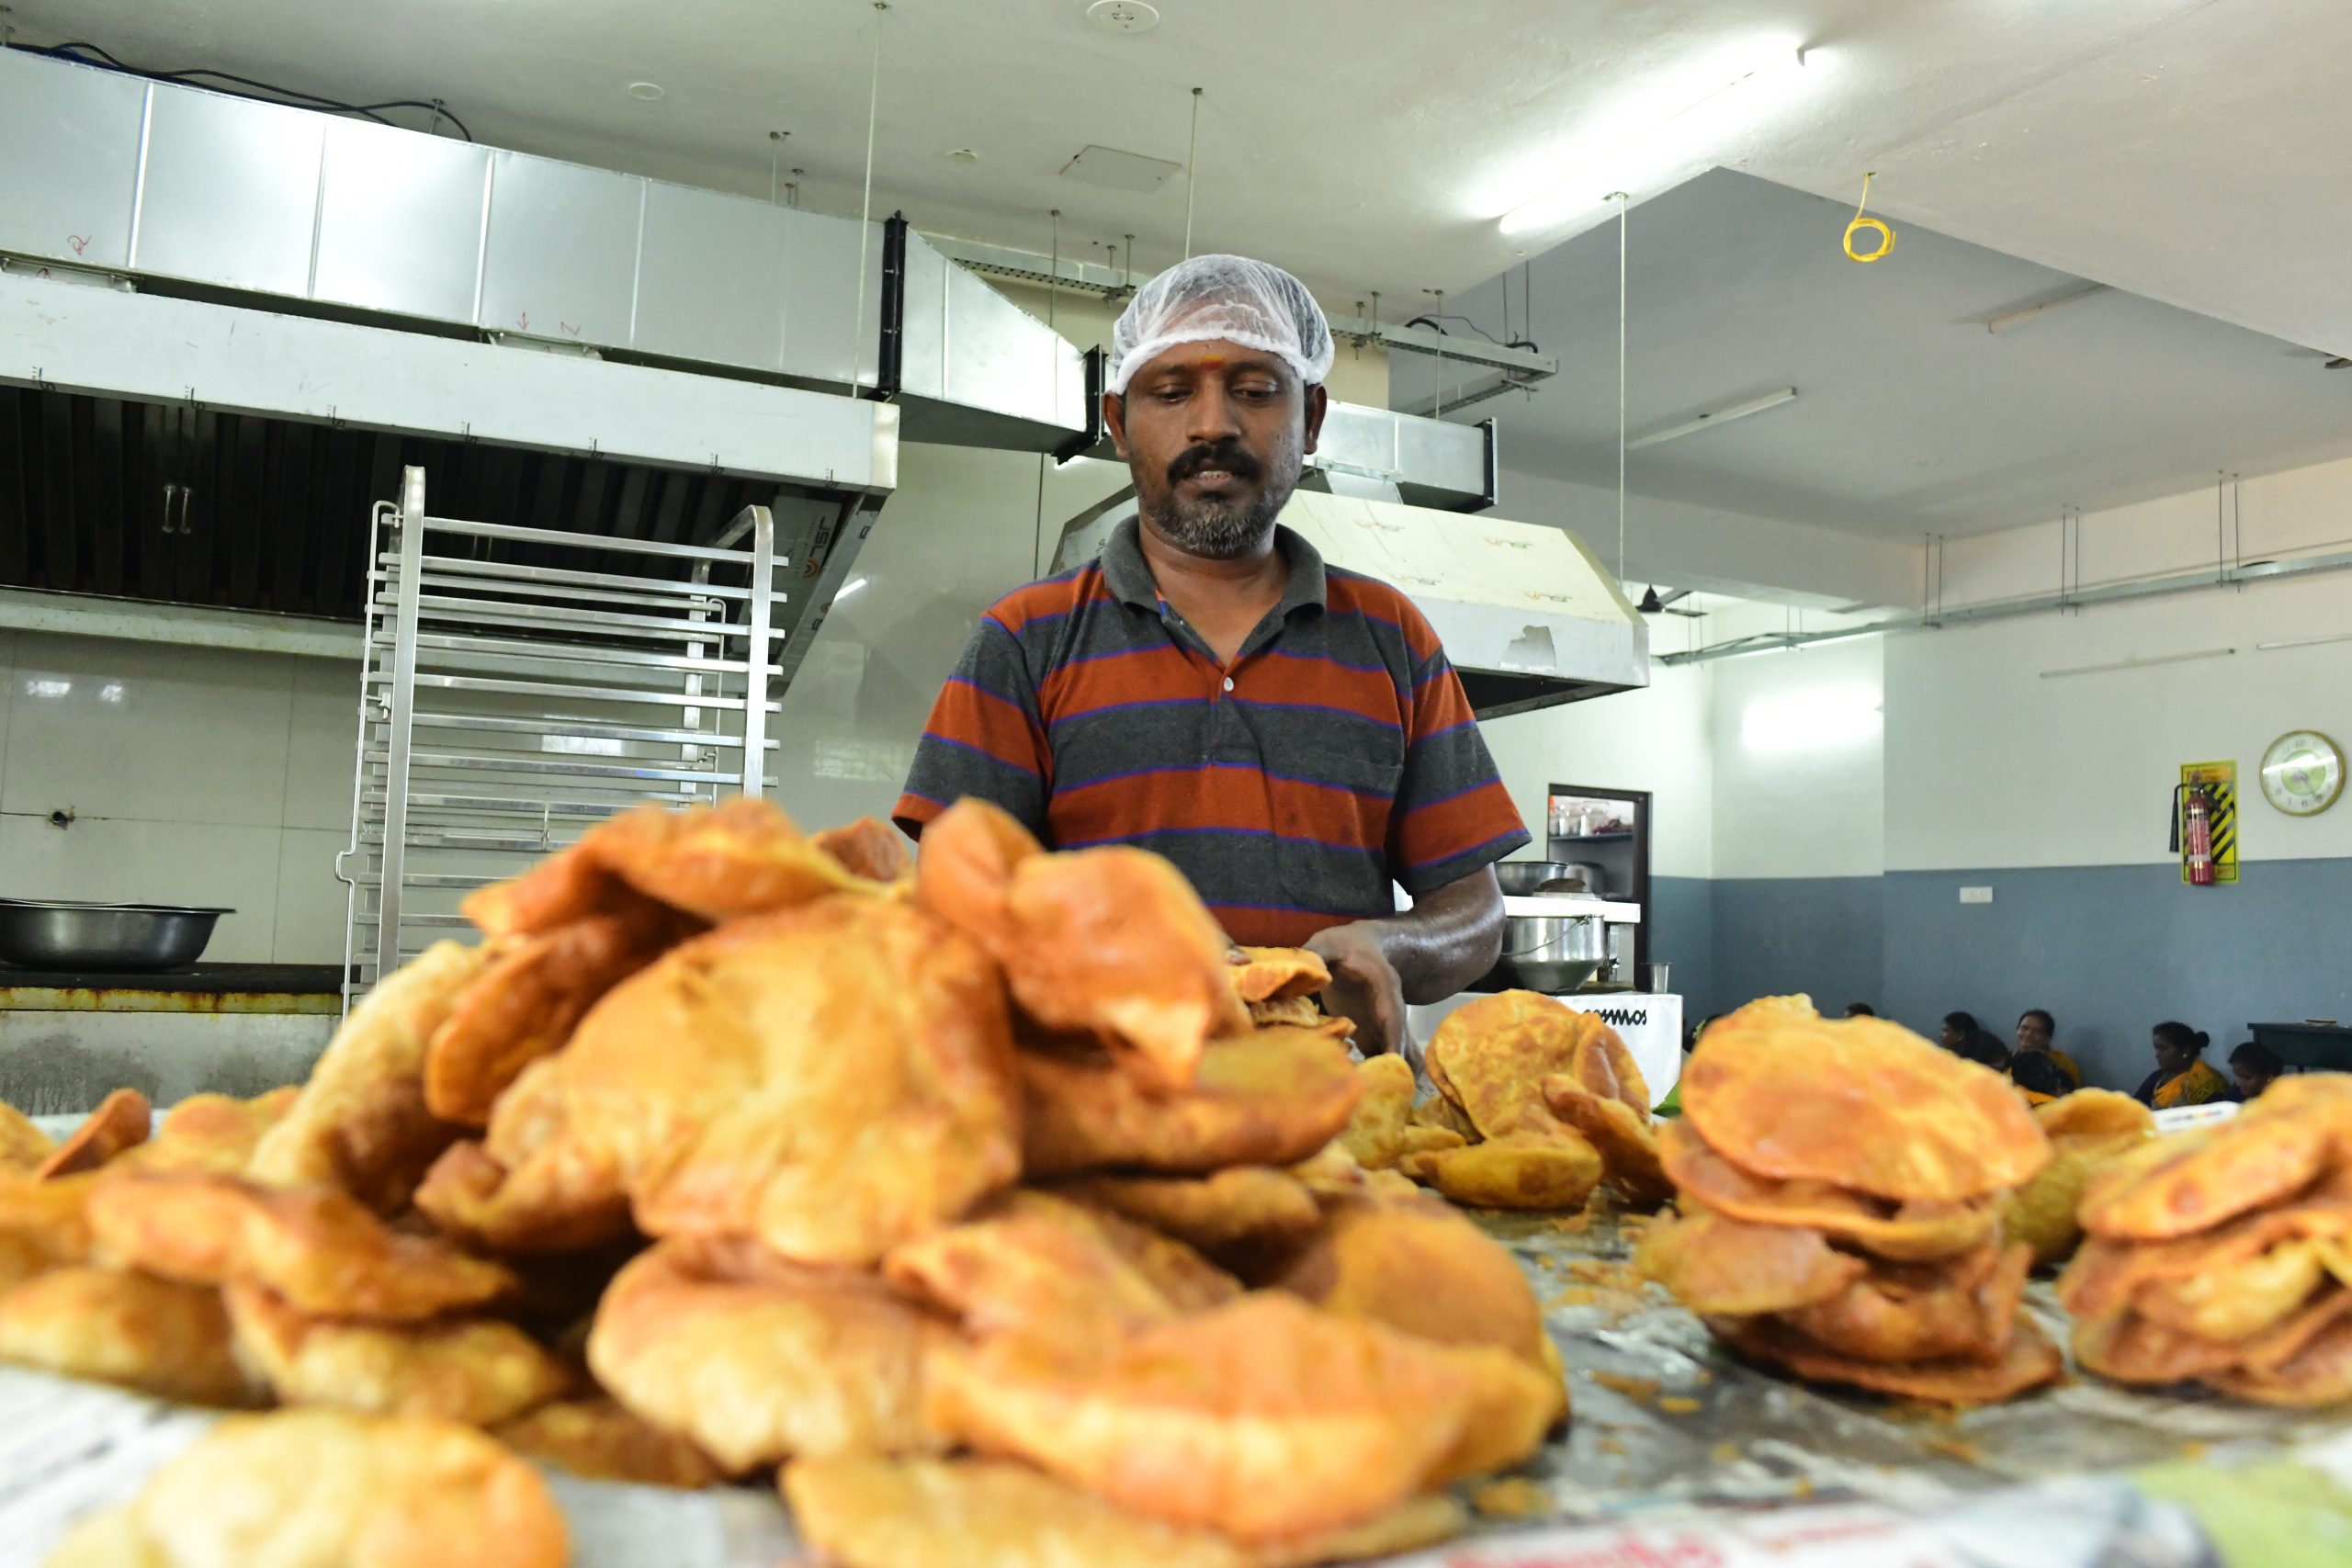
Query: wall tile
point(151, 731)
point(8, 641)
point(154, 862)
point(310, 901)
point(319, 745)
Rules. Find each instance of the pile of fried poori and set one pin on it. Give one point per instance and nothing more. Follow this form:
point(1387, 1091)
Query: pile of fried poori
point(994, 1182)
point(2223, 1255)
point(1839, 1187)
point(2088, 1129)
point(1536, 1105)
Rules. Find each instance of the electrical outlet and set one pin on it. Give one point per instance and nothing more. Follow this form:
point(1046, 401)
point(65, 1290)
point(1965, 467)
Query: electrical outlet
point(1976, 895)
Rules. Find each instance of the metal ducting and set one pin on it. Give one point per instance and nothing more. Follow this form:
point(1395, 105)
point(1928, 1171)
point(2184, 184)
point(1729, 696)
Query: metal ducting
point(1527, 615)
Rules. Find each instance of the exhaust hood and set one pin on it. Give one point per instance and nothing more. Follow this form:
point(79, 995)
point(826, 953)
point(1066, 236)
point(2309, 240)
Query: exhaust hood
point(1526, 612)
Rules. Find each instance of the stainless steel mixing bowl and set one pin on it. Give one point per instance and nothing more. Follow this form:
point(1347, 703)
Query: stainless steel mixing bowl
point(63, 934)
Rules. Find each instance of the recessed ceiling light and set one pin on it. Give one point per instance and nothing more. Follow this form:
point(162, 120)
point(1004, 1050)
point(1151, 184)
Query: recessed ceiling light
point(644, 91)
point(1123, 15)
point(963, 155)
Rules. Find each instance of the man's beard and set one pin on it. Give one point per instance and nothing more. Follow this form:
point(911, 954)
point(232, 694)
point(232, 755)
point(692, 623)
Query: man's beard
point(1216, 527)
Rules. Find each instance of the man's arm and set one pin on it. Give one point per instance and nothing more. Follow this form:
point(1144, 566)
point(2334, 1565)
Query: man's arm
point(1449, 937)
point(984, 736)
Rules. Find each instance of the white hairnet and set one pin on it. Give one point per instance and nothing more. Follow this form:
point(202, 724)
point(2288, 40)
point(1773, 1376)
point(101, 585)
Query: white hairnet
point(1249, 302)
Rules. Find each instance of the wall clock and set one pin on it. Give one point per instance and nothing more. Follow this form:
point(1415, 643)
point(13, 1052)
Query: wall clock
point(2303, 772)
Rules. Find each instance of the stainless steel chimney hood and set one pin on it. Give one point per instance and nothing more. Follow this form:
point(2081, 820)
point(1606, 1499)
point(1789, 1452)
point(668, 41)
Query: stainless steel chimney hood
point(1527, 615)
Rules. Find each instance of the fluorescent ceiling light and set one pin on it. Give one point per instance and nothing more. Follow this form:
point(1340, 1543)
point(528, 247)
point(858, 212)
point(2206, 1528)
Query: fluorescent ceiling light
point(851, 586)
point(2139, 663)
point(1720, 416)
point(1670, 119)
point(2015, 318)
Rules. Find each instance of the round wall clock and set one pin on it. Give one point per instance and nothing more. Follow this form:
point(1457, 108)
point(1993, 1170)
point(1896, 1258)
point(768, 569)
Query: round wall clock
point(2303, 772)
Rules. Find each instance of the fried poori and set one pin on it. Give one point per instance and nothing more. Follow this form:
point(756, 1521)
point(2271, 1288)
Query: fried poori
point(360, 1122)
point(2028, 1361)
point(524, 1004)
point(1242, 1205)
point(1276, 974)
point(1035, 1262)
point(1912, 1232)
point(1628, 1147)
point(477, 1370)
point(834, 1078)
point(2274, 1148)
point(121, 1122)
point(310, 1488)
point(213, 1132)
point(2087, 1130)
point(868, 848)
point(1722, 1267)
point(758, 1363)
point(1263, 1418)
point(1492, 1056)
point(1962, 1307)
point(1110, 942)
point(122, 1326)
point(1858, 1102)
point(1380, 1131)
point(1519, 1171)
point(990, 1514)
point(1270, 1097)
point(602, 1439)
point(316, 1246)
point(23, 1145)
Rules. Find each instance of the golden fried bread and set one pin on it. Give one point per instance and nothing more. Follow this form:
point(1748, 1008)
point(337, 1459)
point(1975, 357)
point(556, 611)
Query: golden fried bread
point(600, 1438)
point(1380, 1131)
point(1911, 1232)
point(565, 887)
point(2319, 1373)
point(2277, 1146)
point(1270, 1097)
point(1492, 1056)
point(1416, 1265)
point(1263, 1418)
point(1628, 1147)
point(1718, 1265)
point(2237, 1300)
point(869, 847)
point(1557, 1169)
point(215, 1133)
point(122, 1327)
point(1963, 1306)
point(1604, 1065)
point(834, 1078)
point(864, 1513)
point(2107, 1276)
point(22, 1256)
point(316, 1246)
point(555, 1201)
point(52, 1216)
point(524, 1004)
point(360, 1122)
point(2088, 1129)
point(2028, 1361)
point(328, 1489)
point(1276, 974)
point(1035, 1262)
point(477, 1370)
point(1858, 1102)
point(23, 1145)
point(121, 1122)
point(758, 1362)
point(1242, 1205)
point(1110, 942)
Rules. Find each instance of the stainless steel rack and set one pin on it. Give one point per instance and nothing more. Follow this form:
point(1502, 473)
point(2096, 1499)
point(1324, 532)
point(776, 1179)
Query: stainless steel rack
point(520, 684)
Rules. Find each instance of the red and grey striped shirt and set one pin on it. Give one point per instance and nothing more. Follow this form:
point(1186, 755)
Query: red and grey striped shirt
point(1336, 752)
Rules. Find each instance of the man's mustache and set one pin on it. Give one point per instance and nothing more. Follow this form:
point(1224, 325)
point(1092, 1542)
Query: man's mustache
point(1226, 454)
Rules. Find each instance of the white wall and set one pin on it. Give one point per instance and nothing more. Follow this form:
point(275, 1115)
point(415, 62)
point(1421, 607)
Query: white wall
point(1799, 763)
point(1654, 739)
point(192, 775)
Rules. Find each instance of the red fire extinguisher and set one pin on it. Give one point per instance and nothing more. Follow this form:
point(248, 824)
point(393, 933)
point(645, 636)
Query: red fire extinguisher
point(2193, 803)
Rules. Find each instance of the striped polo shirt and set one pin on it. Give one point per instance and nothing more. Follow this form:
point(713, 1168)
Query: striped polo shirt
point(1335, 754)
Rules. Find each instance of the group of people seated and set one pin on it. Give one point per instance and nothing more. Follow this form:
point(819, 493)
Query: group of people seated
point(2044, 1072)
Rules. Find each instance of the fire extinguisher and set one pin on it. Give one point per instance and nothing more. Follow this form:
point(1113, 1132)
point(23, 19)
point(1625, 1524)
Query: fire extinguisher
point(2193, 803)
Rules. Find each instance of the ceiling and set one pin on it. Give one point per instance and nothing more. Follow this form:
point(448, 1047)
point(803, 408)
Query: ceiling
point(1910, 416)
point(2180, 148)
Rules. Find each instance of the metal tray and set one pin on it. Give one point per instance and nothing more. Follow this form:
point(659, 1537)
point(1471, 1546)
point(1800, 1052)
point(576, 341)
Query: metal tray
point(60, 934)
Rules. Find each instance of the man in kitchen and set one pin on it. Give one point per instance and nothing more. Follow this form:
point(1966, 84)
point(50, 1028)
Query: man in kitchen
point(1289, 734)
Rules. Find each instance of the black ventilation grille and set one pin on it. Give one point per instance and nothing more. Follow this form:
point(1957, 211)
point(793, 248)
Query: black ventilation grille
point(146, 500)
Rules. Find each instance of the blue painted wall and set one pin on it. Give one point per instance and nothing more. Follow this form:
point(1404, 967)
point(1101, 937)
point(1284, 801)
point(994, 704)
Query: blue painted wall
point(2113, 950)
point(1682, 934)
point(2110, 950)
point(1821, 935)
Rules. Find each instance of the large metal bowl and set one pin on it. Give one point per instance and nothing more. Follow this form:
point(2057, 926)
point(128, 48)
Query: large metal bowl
point(60, 934)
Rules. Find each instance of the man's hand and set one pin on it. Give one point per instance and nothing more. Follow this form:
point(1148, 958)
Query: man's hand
point(1364, 987)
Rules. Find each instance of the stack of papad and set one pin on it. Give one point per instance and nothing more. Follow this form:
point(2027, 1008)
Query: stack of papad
point(1839, 1187)
point(971, 1183)
point(2222, 1256)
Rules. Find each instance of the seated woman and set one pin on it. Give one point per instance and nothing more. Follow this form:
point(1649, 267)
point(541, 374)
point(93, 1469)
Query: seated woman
point(2182, 1077)
point(2036, 1030)
point(2038, 1076)
point(2254, 1066)
point(1984, 1048)
point(1959, 1028)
